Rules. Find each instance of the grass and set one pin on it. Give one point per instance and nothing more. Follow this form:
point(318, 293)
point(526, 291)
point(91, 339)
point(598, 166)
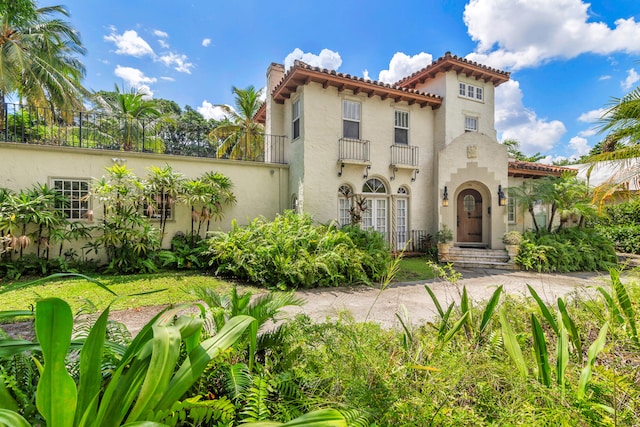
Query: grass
point(144, 290)
point(82, 294)
point(414, 269)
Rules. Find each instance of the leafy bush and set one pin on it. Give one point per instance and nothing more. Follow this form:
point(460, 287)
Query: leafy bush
point(570, 249)
point(625, 238)
point(292, 252)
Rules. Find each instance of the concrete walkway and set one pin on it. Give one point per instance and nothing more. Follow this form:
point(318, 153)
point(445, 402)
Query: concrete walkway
point(365, 303)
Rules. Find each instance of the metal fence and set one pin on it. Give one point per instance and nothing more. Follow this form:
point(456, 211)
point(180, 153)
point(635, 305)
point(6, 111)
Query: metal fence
point(35, 125)
point(406, 155)
point(353, 149)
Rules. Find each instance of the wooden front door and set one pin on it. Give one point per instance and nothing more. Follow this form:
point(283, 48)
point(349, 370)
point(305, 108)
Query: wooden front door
point(469, 216)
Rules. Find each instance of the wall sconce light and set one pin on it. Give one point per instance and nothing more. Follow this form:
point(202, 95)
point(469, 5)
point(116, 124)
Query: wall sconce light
point(445, 197)
point(502, 199)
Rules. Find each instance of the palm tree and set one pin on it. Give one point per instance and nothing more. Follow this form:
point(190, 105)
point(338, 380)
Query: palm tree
point(530, 193)
point(240, 137)
point(621, 145)
point(39, 56)
point(135, 112)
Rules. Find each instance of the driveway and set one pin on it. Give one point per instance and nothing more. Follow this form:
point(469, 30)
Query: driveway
point(370, 304)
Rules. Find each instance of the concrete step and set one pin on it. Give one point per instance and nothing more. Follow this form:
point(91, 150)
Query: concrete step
point(480, 258)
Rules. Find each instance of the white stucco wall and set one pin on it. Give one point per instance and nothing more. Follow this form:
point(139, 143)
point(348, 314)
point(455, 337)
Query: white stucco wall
point(260, 189)
point(317, 151)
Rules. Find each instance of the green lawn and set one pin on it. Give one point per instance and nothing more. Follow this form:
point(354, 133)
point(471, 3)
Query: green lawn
point(414, 269)
point(81, 293)
point(157, 289)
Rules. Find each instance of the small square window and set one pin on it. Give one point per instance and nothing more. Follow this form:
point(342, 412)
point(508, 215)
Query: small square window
point(470, 124)
point(76, 197)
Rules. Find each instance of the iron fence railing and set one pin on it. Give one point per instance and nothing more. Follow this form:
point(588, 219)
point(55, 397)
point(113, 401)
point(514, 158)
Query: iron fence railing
point(36, 125)
point(353, 149)
point(404, 155)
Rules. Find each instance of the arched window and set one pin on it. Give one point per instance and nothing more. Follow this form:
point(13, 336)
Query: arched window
point(294, 203)
point(375, 215)
point(402, 218)
point(345, 194)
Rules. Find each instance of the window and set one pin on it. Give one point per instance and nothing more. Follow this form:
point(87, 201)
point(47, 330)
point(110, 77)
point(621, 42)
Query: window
point(162, 204)
point(76, 193)
point(351, 119)
point(374, 216)
point(470, 124)
point(402, 218)
point(511, 209)
point(469, 203)
point(471, 92)
point(401, 128)
point(295, 118)
point(344, 205)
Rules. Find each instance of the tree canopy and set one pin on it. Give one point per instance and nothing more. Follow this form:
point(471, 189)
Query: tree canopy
point(39, 55)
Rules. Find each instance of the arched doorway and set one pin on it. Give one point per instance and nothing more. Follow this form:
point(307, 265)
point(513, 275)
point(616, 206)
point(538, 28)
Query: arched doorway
point(469, 220)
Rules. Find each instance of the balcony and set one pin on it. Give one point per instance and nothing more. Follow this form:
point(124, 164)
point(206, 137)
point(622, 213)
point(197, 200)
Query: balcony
point(89, 130)
point(353, 152)
point(404, 157)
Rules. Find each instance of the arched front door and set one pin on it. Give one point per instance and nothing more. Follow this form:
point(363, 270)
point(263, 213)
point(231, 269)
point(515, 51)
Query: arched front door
point(469, 205)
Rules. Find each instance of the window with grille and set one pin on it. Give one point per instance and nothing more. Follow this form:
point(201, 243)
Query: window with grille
point(470, 124)
point(351, 119)
point(344, 205)
point(401, 127)
point(76, 197)
point(470, 91)
point(161, 208)
point(511, 209)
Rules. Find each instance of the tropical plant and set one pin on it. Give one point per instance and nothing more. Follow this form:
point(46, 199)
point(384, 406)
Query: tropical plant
point(292, 252)
point(444, 234)
point(126, 233)
point(163, 189)
point(39, 56)
point(144, 382)
point(208, 195)
point(240, 137)
point(132, 115)
point(512, 238)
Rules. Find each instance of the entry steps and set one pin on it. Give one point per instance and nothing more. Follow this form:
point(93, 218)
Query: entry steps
point(480, 258)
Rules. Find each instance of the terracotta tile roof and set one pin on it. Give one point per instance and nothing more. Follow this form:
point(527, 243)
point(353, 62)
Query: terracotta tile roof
point(519, 168)
point(459, 65)
point(301, 73)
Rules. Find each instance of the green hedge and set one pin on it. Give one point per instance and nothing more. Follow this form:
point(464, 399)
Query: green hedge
point(292, 252)
point(570, 249)
point(625, 238)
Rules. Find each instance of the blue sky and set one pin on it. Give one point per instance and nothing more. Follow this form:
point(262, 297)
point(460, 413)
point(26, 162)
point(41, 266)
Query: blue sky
point(567, 58)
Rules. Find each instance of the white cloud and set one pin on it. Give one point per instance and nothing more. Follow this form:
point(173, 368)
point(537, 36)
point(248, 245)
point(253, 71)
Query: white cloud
point(210, 111)
point(161, 34)
point(167, 78)
point(163, 44)
point(326, 59)
point(592, 116)
point(130, 43)
point(133, 77)
point(515, 34)
point(402, 65)
point(206, 42)
point(178, 61)
point(146, 92)
point(632, 79)
point(515, 121)
point(605, 77)
point(580, 147)
point(588, 132)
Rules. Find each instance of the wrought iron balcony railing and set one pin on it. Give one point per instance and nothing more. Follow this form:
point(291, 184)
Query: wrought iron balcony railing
point(354, 150)
point(404, 155)
point(34, 125)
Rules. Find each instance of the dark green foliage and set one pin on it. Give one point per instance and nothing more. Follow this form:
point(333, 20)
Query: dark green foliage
point(292, 252)
point(620, 223)
point(569, 249)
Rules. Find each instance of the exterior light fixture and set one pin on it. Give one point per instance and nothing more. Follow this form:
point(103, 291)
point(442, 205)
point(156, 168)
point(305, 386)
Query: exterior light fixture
point(502, 199)
point(445, 197)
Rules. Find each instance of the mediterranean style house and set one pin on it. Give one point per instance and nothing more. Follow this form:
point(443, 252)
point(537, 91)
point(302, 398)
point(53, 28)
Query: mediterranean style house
point(422, 152)
point(408, 158)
